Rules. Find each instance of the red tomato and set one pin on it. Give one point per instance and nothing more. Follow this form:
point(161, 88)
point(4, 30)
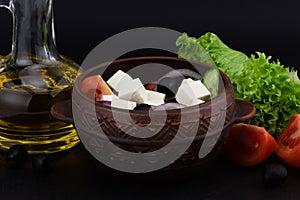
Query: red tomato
point(248, 145)
point(94, 87)
point(150, 86)
point(289, 142)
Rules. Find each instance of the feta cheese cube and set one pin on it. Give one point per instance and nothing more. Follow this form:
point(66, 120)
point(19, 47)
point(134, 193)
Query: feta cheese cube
point(118, 79)
point(123, 104)
point(107, 97)
point(184, 96)
point(154, 98)
point(140, 96)
point(133, 90)
point(197, 88)
point(153, 102)
point(203, 92)
point(153, 95)
point(191, 92)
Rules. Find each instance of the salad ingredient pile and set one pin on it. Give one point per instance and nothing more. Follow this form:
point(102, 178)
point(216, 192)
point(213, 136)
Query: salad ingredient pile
point(168, 92)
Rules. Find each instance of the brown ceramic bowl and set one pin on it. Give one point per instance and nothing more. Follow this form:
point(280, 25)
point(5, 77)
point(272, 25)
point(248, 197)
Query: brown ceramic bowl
point(123, 131)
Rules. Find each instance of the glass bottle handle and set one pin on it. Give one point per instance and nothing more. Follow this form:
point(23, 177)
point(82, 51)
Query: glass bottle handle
point(5, 3)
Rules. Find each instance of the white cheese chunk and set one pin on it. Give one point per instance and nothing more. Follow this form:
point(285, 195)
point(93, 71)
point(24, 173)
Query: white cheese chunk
point(123, 104)
point(154, 102)
point(133, 90)
point(154, 98)
point(118, 79)
point(153, 95)
point(191, 92)
point(197, 88)
point(107, 97)
point(140, 96)
point(184, 96)
point(203, 92)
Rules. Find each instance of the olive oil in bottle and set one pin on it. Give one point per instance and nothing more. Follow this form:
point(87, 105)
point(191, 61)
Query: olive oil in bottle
point(33, 78)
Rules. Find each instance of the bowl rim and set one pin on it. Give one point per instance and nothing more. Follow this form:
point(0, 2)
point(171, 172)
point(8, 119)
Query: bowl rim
point(186, 110)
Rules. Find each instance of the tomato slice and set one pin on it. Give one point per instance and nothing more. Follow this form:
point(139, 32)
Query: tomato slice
point(94, 87)
point(289, 142)
point(248, 144)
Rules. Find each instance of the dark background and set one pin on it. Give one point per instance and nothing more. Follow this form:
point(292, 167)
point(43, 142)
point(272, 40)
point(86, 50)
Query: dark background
point(267, 26)
point(249, 26)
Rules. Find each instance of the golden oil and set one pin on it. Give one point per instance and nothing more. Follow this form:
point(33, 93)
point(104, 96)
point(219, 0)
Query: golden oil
point(26, 96)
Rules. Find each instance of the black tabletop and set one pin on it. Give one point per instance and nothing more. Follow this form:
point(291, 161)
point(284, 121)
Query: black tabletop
point(267, 26)
point(77, 175)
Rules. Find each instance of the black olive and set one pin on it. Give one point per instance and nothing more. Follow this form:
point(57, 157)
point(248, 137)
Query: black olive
point(142, 107)
point(274, 175)
point(43, 163)
point(16, 156)
point(169, 86)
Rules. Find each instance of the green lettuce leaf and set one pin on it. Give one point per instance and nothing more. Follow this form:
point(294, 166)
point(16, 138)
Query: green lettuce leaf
point(190, 49)
point(271, 87)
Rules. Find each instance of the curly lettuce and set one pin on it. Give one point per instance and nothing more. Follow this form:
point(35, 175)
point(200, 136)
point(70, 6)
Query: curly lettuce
point(271, 87)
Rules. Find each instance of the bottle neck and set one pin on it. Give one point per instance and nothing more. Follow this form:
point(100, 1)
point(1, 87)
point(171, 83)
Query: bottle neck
point(33, 37)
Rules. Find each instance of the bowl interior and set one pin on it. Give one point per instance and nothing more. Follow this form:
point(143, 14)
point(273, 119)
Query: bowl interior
point(150, 69)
